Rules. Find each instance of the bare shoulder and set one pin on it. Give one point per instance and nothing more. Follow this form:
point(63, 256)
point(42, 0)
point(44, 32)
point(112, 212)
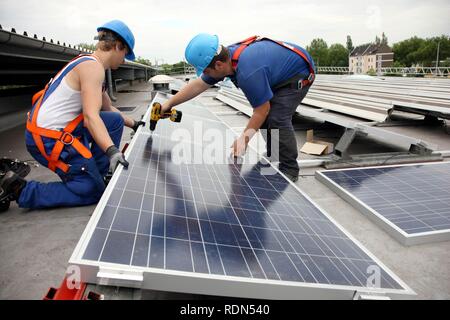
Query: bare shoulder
point(91, 70)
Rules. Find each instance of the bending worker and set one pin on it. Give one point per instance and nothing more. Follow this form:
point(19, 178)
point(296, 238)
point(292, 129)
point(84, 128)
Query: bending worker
point(274, 76)
point(74, 130)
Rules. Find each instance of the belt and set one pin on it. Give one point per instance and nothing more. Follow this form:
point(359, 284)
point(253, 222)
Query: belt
point(298, 82)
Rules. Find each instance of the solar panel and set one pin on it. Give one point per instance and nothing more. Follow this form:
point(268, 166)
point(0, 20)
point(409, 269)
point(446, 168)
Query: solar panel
point(219, 229)
point(411, 202)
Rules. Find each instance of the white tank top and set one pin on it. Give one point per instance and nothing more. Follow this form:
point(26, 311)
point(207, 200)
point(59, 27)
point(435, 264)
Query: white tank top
point(61, 107)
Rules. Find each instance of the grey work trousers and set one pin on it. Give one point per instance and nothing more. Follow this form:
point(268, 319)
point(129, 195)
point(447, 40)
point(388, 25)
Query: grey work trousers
point(283, 105)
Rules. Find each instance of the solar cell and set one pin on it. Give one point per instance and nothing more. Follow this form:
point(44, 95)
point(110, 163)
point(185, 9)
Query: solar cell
point(412, 202)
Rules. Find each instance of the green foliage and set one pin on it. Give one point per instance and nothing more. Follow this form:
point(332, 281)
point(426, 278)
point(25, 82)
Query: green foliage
point(87, 46)
point(338, 55)
point(179, 65)
point(142, 60)
point(318, 49)
point(176, 68)
point(405, 51)
point(371, 72)
point(166, 68)
point(384, 39)
point(398, 64)
point(350, 46)
point(417, 51)
point(445, 63)
point(377, 40)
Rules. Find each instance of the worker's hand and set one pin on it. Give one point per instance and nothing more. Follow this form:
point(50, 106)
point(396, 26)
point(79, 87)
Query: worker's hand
point(115, 157)
point(239, 146)
point(137, 124)
point(165, 108)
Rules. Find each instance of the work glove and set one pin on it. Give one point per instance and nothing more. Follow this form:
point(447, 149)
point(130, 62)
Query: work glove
point(137, 124)
point(115, 157)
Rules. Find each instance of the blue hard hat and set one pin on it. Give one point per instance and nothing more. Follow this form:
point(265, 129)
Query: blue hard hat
point(122, 30)
point(201, 50)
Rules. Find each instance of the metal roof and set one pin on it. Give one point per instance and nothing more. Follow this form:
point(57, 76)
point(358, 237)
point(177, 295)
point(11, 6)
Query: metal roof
point(370, 49)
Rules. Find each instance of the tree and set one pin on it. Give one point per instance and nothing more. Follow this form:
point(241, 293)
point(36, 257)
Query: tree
point(445, 63)
point(142, 60)
point(417, 51)
point(384, 39)
point(377, 40)
point(444, 48)
point(426, 54)
point(404, 51)
point(166, 68)
point(398, 64)
point(318, 49)
point(338, 55)
point(179, 66)
point(349, 44)
point(371, 72)
point(87, 46)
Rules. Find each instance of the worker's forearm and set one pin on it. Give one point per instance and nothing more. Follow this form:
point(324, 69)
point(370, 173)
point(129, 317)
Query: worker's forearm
point(253, 125)
point(191, 90)
point(106, 102)
point(107, 106)
point(128, 121)
point(98, 131)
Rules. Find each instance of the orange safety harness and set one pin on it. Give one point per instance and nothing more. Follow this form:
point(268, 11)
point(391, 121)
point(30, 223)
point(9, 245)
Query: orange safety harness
point(245, 43)
point(64, 137)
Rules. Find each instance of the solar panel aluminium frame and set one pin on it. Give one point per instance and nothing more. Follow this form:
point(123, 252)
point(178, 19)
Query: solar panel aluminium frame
point(179, 281)
point(384, 223)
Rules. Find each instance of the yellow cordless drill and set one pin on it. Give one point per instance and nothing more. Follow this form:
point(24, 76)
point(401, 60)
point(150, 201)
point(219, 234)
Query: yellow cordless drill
point(156, 115)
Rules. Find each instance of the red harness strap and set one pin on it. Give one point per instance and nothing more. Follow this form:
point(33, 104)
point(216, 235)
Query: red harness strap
point(245, 43)
point(63, 138)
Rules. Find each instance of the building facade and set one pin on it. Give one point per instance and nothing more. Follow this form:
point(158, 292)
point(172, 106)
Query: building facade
point(370, 58)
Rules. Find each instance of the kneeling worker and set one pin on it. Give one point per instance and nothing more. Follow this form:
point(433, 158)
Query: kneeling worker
point(74, 130)
point(275, 77)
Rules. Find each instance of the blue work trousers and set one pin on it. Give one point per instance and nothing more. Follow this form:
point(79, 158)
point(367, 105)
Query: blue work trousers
point(83, 184)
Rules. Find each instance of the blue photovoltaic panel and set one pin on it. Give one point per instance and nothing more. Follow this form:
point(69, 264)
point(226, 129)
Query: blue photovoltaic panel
point(219, 228)
point(414, 198)
point(220, 219)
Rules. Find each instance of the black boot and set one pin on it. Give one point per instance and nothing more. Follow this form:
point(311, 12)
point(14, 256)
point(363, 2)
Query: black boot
point(293, 178)
point(19, 167)
point(11, 185)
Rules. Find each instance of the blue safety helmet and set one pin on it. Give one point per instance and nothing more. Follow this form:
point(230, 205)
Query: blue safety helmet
point(122, 30)
point(201, 50)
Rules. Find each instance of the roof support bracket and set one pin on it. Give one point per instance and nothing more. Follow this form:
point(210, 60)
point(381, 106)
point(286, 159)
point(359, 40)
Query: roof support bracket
point(345, 142)
point(420, 148)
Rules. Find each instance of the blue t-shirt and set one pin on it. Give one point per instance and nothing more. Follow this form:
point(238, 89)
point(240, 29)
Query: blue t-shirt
point(263, 65)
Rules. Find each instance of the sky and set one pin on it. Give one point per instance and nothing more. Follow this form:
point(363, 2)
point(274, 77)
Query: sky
point(162, 28)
